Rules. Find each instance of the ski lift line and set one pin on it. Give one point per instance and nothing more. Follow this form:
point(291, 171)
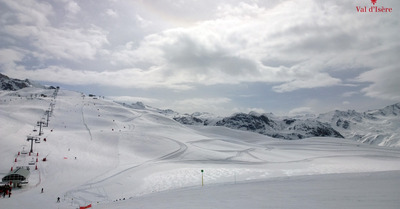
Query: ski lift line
point(22, 162)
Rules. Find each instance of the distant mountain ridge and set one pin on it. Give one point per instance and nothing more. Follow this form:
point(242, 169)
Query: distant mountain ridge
point(286, 128)
point(379, 127)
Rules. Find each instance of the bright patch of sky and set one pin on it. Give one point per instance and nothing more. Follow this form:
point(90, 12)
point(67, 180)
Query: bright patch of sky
point(216, 56)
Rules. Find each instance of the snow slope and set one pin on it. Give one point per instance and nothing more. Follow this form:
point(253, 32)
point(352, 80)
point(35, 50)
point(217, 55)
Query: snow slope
point(113, 156)
point(355, 191)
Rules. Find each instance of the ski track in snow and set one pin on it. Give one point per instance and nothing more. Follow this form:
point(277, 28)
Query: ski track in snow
point(175, 154)
point(91, 188)
point(84, 123)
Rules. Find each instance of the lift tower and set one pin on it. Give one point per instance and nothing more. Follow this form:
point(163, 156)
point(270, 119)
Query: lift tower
point(32, 138)
point(40, 123)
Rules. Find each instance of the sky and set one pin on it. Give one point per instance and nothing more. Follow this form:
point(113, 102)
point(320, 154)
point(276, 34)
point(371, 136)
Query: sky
point(217, 56)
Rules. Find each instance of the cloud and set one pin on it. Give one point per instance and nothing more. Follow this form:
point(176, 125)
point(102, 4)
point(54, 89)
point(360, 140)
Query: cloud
point(349, 93)
point(281, 45)
point(142, 22)
point(301, 111)
point(213, 105)
point(247, 43)
point(385, 83)
point(29, 12)
point(125, 78)
point(111, 13)
point(318, 80)
point(72, 7)
point(64, 43)
point(204, 101)
point(248, 110)
point(131, 99)
point(8, 57)
point(29, 24)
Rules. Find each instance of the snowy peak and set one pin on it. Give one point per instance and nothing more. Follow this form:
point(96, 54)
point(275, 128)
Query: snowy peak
point(197, 118)
point(11, 84)
point(352, 115)
point(337, 114)
point(380, 127)
point(286, 129)
point(253, 122)
point(391, 110)
point(309, 128)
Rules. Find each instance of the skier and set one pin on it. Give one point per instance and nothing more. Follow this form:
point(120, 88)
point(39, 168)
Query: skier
point(42, 190)
point(58, 199)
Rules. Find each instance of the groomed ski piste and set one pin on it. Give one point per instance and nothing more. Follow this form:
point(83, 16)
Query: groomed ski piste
point(107, 155)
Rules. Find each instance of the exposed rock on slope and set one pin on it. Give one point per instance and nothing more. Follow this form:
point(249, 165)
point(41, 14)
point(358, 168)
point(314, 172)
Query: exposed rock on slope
point(11, 84)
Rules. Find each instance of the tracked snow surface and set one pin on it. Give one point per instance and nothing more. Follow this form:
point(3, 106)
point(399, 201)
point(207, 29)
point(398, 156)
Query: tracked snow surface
point(109, 155)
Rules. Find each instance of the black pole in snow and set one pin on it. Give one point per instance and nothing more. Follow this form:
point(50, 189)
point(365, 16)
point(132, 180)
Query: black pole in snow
point(40, 125)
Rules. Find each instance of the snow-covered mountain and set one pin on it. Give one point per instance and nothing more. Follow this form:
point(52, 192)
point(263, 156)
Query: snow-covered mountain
point(267, 124)
point(380, 127)
point(12, 84)
point(198, 118)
